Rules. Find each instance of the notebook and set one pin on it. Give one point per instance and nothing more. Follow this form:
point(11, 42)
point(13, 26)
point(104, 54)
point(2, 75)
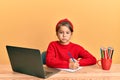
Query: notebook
point(28, 61)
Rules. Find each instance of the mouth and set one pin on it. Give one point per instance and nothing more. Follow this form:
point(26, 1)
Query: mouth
point(64, 39)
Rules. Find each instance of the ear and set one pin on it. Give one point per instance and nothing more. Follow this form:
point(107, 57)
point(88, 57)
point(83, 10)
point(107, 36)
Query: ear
point(56, 33)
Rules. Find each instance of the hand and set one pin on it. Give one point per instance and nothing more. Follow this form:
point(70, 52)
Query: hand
point(73, 65)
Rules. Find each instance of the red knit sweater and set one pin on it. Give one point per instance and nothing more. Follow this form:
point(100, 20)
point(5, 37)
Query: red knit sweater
point(57, 55)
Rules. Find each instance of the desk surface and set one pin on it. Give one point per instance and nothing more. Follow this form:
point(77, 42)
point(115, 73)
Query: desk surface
point(93, 72)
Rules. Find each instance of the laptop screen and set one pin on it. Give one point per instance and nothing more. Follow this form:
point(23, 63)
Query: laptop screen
point(26, 60)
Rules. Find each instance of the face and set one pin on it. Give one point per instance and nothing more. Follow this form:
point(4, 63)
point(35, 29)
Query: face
point(64, 35)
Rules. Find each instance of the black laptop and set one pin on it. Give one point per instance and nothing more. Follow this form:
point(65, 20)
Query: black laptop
point(28, 61)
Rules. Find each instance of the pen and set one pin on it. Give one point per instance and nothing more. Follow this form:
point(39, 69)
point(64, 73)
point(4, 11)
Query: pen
point(109, 52)
point(70, 55)
point(106, 53)
point(112, 52)
point(102, 52)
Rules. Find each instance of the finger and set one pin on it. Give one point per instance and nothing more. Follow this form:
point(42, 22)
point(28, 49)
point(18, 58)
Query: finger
point(78, 59)
point(71, 60)
point(77, 65)
point(75, 59)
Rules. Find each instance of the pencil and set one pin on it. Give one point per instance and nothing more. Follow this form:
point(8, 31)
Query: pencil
point(70, 55)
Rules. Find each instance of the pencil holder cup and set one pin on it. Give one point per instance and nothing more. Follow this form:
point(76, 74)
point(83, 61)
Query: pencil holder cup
point(105, 63)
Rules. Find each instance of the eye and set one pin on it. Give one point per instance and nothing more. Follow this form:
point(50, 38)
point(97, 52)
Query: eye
point(60, 32)
point(67, 32)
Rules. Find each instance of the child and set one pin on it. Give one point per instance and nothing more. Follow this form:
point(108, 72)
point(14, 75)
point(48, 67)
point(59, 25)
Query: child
point(60, 53)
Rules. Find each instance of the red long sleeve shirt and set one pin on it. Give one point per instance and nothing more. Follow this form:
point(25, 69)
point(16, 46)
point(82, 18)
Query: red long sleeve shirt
point(57, 55)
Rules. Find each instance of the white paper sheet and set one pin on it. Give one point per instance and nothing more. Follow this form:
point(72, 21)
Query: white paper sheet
point(70, 70)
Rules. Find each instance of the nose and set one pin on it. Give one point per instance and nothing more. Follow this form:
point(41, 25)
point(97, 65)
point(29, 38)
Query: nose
point(64, 34)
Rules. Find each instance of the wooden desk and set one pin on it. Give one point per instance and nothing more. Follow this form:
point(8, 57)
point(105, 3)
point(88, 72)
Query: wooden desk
point(93, 72)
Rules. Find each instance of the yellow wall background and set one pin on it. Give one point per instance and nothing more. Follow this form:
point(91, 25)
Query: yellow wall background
point(31, 23)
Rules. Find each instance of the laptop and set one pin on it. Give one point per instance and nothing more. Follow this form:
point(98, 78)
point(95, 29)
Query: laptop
point(28, 61)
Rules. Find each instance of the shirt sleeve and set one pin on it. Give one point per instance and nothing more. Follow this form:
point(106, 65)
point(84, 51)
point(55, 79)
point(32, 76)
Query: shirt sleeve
point(86, 58)
point(52, 60)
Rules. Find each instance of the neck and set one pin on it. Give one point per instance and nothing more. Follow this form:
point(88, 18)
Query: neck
point(64, 43)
